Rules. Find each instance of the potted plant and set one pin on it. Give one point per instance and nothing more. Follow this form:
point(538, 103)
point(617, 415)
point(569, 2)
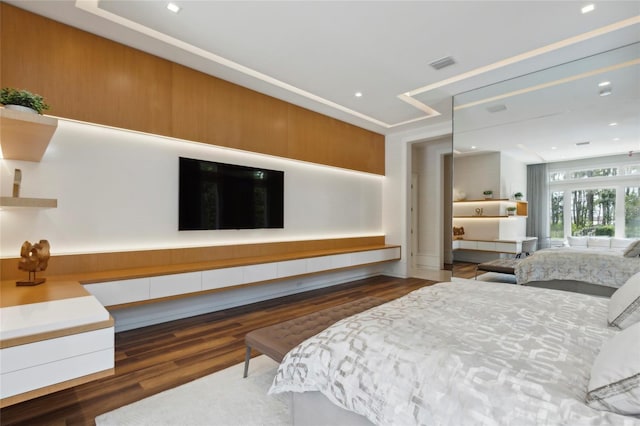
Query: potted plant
point(511, 211)
point(518, 195)
point(22, 100)
point(488, 193)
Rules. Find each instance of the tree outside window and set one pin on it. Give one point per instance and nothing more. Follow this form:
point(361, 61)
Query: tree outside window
point(593, 212)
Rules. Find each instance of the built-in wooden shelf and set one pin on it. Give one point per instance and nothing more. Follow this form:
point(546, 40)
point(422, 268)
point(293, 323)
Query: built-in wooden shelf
point(482, 200)
point(44, 203)
point(25, 136)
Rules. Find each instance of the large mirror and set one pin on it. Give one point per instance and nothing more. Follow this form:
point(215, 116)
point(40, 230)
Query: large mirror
point(567, 139)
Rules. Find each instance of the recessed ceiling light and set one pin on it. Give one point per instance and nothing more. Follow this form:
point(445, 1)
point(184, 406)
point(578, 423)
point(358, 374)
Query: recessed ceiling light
point(604, 83)
point(554, 147)
point(358, 94)
point(473, 147)
point(173, 7)
point(613, 124)
point(616, 139)
point(588, 8)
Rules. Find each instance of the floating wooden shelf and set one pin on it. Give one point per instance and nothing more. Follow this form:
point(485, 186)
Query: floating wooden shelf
point(25, 136)
point(28, 202)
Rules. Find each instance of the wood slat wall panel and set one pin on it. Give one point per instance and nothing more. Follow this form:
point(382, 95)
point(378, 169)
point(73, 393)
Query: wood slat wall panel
point(83, 76)
point(97, 262)
point(93, 79)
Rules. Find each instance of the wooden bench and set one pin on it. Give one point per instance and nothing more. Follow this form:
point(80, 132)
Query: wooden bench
point(502, 266)
point(278, 339)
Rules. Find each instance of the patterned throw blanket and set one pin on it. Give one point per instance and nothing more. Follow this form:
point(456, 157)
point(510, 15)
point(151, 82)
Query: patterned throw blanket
point(460, 353)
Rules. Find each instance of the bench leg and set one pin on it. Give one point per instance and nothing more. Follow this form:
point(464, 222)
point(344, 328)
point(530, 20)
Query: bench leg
point(247, 358)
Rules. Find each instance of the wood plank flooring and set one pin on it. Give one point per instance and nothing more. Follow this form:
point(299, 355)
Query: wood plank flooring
point(152, 359)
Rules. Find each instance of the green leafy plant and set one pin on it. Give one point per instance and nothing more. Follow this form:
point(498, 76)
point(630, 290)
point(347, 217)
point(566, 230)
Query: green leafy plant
point(518, 195)
point(511, 209)
point(488, 192)
point(10, 96)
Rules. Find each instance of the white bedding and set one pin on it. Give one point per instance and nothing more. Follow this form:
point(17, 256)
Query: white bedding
point(460, 353)
point(606, 267)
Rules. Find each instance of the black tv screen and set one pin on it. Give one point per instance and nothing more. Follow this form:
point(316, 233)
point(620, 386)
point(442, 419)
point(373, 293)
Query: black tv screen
point(227, 196)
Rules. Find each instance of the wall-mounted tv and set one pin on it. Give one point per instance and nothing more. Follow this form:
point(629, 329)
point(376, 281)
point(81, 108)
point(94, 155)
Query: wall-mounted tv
point(227, 196)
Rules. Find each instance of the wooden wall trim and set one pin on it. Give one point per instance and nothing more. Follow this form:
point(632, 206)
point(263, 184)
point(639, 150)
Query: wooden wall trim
point(90, 78)
point(79, 264)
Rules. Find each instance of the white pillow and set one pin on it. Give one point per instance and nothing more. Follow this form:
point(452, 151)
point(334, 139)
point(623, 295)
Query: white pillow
point(577, 241)
point(632, 249)
point(615, 375)
point(599, 242)
point(624, 305)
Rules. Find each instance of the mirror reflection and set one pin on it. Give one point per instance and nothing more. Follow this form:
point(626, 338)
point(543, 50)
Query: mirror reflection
point(547, 158)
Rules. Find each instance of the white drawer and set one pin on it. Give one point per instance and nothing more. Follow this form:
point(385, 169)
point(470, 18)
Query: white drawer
point(290, 268)
point(469, 245)
point(508, 247)
point(340, 260)
point(220, 278)
point(117, 292)
point(261, 272)
point(318, 264)
point(39, 376)
point(484, 245)
point(171, 285)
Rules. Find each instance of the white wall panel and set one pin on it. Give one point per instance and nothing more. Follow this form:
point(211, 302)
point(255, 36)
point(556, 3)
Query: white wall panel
point(118, 190)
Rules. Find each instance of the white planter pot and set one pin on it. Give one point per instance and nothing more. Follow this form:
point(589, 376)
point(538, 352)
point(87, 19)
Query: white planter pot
point(21, 108)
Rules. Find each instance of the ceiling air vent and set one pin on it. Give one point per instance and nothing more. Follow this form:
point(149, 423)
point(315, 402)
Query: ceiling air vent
point(582, 143)
point(442, 62)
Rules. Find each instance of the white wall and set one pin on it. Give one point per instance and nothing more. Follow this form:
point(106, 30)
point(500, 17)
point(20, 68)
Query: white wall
point(513, 177)
point(118, 190)
point(473, 174)
point(428, 163)
point(395, 211)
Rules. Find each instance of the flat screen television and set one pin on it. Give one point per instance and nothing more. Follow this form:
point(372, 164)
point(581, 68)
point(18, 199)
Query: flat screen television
point(227, 196)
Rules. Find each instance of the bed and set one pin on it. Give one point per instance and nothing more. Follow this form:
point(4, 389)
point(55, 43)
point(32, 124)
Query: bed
point(458, 353)
point(605, 267)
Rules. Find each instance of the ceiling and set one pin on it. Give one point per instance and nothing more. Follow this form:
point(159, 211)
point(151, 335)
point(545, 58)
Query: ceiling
point(318, 54)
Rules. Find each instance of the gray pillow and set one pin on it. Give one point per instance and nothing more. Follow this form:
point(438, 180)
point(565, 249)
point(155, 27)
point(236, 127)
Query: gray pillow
point(632, 249)
point(624, 305)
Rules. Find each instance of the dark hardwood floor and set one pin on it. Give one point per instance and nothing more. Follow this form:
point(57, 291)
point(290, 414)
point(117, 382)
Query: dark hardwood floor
point(152, 359)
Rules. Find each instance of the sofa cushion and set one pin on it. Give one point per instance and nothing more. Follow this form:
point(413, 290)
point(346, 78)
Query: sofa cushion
point(577, 241)
point(599, 242)
point(621, 243)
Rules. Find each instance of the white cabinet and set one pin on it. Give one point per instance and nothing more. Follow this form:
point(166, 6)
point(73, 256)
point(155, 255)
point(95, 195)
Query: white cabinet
point(157, 287)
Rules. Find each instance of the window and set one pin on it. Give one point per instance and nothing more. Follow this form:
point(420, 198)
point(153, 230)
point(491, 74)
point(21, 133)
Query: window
point(632, 212)
point(593, 212)
point(557, 214)
point(590, 198)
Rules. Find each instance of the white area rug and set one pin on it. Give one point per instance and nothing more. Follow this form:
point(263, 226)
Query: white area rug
point(223, 398)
